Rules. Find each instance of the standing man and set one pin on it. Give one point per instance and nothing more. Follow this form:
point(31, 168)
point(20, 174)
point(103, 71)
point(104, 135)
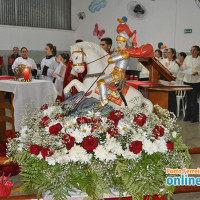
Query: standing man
point(24, 60)
point(11, 59)
point(191, 70)
point(106, 44)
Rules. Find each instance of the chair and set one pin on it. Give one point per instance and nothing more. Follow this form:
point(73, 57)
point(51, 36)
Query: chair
point(3, 107)
point(180, 96)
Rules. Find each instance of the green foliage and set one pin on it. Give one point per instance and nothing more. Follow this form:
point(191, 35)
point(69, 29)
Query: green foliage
point(145, 177)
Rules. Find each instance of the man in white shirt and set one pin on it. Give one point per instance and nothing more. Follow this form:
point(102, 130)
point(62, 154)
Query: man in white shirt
point(191, 70)
point(24, 60)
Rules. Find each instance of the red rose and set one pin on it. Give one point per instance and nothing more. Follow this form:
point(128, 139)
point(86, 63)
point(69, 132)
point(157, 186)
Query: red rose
point(113, 119)
point(55, 129)
point(35, 149)
point(112, 131)
point(96, 123)
point(140, 119)
point(9, 134)
point(170, 145)
point(158, 131)
point(44, 107)
point(44, 122)
point(46, 152)
point(69, 141)
point(83, 120)
point(90, 143)
point(118, 114)
point(135, 147)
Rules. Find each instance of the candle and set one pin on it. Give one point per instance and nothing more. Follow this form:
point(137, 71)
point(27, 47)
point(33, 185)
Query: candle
point(136, 78)
point(26, 74)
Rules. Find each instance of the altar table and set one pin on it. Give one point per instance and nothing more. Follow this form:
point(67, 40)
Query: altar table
point(35, 93)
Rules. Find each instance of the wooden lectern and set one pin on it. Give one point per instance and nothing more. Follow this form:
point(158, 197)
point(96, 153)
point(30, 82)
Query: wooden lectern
point(158, 93)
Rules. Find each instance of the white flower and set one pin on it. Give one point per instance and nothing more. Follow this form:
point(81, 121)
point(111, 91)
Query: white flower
point(174, 134)
point(85, 130)
point(110, 157)
point(50, 160)
point(77, 135)
point(40, 156)
point(155, 147)
point(147, 146)
point(48, 111)
point(113, 146)
point(23, 132)
point(20, 146)
point(161, 145)
point(123, 127)
point(93, 114)
point(100, 153)
point(130, 155)
point(77, 153)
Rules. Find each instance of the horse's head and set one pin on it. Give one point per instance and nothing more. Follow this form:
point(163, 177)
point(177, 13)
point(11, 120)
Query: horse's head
point(78, 58)
point(90, 53)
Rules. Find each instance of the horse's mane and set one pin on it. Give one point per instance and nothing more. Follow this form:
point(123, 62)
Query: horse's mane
point(91, 46)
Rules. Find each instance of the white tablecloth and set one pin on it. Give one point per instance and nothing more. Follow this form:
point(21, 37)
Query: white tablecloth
point(37, 93)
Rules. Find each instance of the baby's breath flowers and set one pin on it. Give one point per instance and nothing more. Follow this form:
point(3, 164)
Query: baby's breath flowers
point(121, 151)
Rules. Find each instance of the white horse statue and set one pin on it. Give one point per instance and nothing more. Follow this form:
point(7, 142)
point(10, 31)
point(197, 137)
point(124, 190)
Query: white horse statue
point(96, 59)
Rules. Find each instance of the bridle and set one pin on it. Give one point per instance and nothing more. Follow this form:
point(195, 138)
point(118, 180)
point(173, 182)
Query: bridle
point(83, 56)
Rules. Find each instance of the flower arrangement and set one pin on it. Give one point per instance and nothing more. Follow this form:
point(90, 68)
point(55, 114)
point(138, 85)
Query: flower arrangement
point(124, 150)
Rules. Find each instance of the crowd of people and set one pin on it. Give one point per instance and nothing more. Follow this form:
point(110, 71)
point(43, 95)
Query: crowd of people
point(58, 69)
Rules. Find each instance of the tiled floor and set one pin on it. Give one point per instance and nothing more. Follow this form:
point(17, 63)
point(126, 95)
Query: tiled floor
point(191, 137)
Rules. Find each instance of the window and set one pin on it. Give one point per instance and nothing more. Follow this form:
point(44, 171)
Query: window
point(54, 14)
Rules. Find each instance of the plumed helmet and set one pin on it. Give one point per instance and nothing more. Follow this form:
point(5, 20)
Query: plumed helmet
point(124, 32)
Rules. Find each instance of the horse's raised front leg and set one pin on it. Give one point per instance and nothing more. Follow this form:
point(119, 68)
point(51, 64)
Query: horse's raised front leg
point(77, 84)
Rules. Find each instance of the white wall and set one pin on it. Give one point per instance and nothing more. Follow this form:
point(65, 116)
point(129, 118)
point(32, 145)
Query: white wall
point(165, 22)
point(34, 38)
point(188, 15)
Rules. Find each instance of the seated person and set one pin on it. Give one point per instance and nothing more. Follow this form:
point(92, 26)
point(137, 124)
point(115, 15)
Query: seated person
point(48, 64)
point(11, 59)
point(106, 44)
point(24, 60)
point(170, 62)
point(59, 73)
